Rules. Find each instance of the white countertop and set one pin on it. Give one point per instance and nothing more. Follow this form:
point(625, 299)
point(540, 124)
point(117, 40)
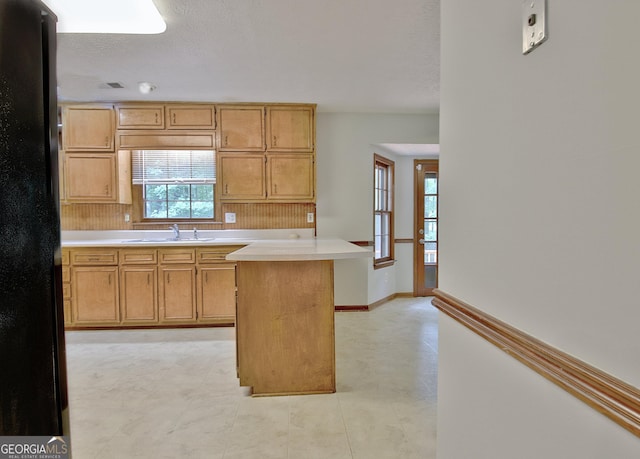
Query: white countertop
point(299, 250)
point(259, 245)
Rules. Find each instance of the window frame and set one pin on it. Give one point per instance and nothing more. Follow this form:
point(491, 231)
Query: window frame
point(384, 192)
point(139, 202)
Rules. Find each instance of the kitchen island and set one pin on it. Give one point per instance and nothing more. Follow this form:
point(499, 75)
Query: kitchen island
point(285, 314)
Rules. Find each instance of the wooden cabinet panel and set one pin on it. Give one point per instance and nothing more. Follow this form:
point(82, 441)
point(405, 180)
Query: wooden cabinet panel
point(242, 176)
point(93, 256)
point(138, 256)
point(290, 176)
point(196, 140)
point(140, 117)
point(290, 128)
point(217, 292)
point(177, 293)
point(95, 295)
point(191, 117)
point(241, 128)
point(138, 294)
point(176, 255)
point(90, 177)
point(88, 128)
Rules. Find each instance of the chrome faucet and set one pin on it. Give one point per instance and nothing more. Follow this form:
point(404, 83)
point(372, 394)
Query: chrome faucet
point(195, 232)
point(176, 231)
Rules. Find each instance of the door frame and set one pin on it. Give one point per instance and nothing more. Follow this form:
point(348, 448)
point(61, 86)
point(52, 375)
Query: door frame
point(419, 167)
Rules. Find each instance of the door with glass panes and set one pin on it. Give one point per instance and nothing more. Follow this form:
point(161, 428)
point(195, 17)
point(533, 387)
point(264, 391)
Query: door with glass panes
point(426, 227)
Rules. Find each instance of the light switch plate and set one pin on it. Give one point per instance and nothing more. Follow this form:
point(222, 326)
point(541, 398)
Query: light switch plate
point(534, 24)
point(309, 217)
point(229, 217)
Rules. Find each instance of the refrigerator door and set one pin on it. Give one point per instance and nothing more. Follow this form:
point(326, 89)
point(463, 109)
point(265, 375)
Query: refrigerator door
point(33, 398)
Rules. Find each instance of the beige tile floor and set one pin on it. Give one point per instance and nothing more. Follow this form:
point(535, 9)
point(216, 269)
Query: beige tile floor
point(174, 394)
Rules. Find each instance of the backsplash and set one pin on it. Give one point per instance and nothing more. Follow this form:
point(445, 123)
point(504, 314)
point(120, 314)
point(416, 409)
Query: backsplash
point(248, 216)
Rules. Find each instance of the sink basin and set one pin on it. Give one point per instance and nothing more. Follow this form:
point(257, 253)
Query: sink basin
point(164, 240)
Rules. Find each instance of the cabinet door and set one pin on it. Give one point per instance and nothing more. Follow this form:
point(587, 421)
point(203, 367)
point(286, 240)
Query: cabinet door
point(242, 176)
point(241, 129)
point(138, 294)
point(177, 293)
point(141, 117)
point(290, 129)
point(191, 117)
point(290, 177)
point(95, 295)
point(90, 177)
point(217, 292)
point(88, 128)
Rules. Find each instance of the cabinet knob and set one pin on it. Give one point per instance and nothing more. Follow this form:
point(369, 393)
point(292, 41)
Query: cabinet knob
point(275, 141)
point(156, 118)
point(226, 140)
point(174, 118)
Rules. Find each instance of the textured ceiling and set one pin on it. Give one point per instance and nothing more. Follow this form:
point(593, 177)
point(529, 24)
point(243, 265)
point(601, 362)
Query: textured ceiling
point(375, 56)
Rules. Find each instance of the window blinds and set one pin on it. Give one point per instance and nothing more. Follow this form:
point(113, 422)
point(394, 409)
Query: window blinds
point(173, 166)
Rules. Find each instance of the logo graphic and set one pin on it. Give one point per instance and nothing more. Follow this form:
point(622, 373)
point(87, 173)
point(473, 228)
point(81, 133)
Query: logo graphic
point(34, 447)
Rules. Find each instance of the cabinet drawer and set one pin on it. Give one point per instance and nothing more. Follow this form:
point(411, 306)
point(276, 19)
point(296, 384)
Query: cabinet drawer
point(215, 254)
point(140, 117)
point(138, 257)
point(171, 256)
point(66, 291)
point(66, 274)
point(94, 257)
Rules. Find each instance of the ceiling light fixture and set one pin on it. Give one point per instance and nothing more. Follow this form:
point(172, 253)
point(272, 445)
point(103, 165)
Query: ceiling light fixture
point(107, 16)
point(145, 87)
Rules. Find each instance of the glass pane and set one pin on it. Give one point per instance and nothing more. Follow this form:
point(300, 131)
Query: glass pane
point(430, 183)
point(430, 230)
point(179, 209)
point(377, 241)
point(202, 192)
point(178, 192)
point(384, 250)
point(155, 192)
point(430, 206)
point(155, 209)
point(430, 253)
point(202, 209)
point(431, 276)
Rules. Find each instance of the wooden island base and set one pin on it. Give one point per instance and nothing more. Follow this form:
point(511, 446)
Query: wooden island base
point(285, 327)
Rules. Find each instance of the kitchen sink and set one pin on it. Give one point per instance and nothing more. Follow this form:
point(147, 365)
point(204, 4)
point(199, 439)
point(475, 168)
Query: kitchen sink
point(170, 239)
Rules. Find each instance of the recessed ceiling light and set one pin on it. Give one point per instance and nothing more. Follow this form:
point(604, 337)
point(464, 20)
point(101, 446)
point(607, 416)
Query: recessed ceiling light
point(107, 16)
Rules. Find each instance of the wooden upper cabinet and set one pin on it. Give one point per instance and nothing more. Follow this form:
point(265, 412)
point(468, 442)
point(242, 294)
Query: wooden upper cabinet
point(90, 177)
point(242, 176)
point(88, 127)
point(241, 128)
point(140, 117)
point(290, 177)
point(290, 128)
point(191, 117)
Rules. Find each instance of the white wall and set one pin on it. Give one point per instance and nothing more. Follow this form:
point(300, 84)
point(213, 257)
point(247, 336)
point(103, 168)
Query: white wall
point(539, 208)
point(344, 147)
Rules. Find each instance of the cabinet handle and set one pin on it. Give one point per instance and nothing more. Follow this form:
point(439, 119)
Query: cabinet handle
point(275, 141)
point(226, 188)
point(174, 117)
point(226, 140)
point(148, 279)
point(156, 117)
point(168, 278)
point(106, 190)
point(106, 141)
point(109, 279)
point(275, 188)
point(206, 277)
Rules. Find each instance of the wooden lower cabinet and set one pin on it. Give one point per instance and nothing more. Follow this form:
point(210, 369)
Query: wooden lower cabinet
point(177, 296)
point(217, 293)
point(95, 295)
point(149, 286)
point(139, 294)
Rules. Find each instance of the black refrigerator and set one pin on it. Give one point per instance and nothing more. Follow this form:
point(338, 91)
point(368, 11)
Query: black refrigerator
point(33, 388)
